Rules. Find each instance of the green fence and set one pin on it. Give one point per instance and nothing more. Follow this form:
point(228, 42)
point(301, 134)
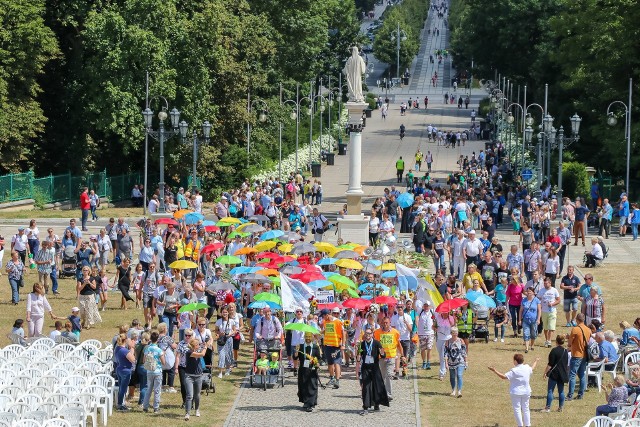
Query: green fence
point(66, 187)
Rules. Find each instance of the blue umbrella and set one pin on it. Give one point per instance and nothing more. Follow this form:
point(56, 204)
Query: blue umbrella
point(389, 274)
point(374, 262)
point(317, 284)
point(244, 270)
point(193, 218)
point(382, 288)
point(208, 222)
point(484, 301)
point(405, 200)
point(366, 287)
point(272, 234)
point(328, 274)
point(472, 295)
point(327, 261)
point(265, 304)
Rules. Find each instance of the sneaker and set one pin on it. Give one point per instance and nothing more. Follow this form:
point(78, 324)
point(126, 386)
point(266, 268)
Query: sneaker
point(156, 411)
point(363, 412)
point(376, 408)
point(220, 375)
point(579, 397)
point(573, 323)
point(145, 409)
point(227, 373)
point(186, 417)
point(336, 384)
point(453, 393)
point(197, 412)
point(546, 409)
point(171, 390)
point(501, 339)
point(424, 365)
point(495, 340)
point(331, 381)
point(459, 394)
point(395, 376)
point(569, 398)
point(428, 365)
point(560, 409)
point(568, 325)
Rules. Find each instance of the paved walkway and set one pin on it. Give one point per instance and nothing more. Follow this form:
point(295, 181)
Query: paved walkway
point(340, 407)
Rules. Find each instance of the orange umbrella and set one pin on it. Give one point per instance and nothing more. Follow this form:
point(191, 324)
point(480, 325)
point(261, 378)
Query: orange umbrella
point(245, 251)
point(268, 272)
point(360, 249)
point(182, 212)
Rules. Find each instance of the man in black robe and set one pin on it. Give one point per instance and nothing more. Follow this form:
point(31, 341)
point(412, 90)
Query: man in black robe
point(308, 355)
point(374, 392)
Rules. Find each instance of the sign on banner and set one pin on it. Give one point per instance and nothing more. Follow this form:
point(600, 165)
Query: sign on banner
point(324, 297)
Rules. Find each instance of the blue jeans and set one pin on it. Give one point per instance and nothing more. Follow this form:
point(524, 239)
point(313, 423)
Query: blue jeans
point(93, 212)
point(634, 230)
point(441, 263)
point(142, 380)
point(502, 328)
point(578, 367)
point(456, 374)
point(85, 217)
point(529, 330)
point(169, 319)
point(154, 385)
point(15, 294)
point(514, 310)
point(550, 386)
point(54, 278)
point(318, 198)
point(124, 378)
point(605, 410)
point(34, 246)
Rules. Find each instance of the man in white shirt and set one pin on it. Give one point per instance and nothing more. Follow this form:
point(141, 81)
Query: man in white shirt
point(456, 250)
point(549, 298)
point(472, 249)
point(426, 333)
point(402, 322)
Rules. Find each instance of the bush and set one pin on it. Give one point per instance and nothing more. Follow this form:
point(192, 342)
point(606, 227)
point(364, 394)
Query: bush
point(575, 180)
point(371, 100)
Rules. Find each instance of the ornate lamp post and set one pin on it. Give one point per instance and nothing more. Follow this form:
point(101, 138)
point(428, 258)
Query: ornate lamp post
point(612, 121)
point(206, 134)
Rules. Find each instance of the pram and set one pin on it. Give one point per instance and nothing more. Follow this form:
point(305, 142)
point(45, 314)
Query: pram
point(207, 373)
point(270, 346)
point(480, 329)
point(69, 262)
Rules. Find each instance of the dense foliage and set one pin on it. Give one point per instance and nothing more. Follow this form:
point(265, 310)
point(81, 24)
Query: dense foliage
point(586, 50)
point(72, 79)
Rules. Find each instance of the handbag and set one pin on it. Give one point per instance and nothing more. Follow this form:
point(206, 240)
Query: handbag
point(169, 359)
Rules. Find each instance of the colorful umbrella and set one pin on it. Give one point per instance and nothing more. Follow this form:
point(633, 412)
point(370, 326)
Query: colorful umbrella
point(194, 306)
point(183, 264)
point(267, 255)
point(275, 281)
point(238, 233)
point(252, 228)
point(328, 274)
point(342, 280)
point(166, 221)
point(324, 247)
point(327, 261)
point(357, 303)
point(245, 251)
point(374, 262)
point(265, 246)
point(211, 229)
point(259, 218)
point(221, 286)
point(389, 274)
point(268, 272)
point(405, 200)
point(272, 234)
point(243, 270)
point(291, 270)
point(387, 266)
point(451, 304)
point(272, 265)
point(329, 306)
point(192, 218)
point(318, 284)
point(285, 248)
point(254, 278)
point(212, 247)
point(208, 222)
point(386, 300)
point(352, 293)
point(302, 327)
point(182, 212)
point(265, 304)
point(228, 260)
point(308, 276)
point(346, 253)
point(268, 296)
point(349, 263)
point(484, 301)
point(230, 220)
point(303, 248)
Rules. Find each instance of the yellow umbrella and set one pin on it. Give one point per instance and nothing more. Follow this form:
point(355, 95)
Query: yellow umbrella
point(268, 272)
point(349, 263)
point(240, 227)
point(285, 248)
point(265, 246)
point(387, 266)
point(245, 251)
point(183, 264)
point(230, 220)
point(182, 212)
point(324, 247)
point(341, 281)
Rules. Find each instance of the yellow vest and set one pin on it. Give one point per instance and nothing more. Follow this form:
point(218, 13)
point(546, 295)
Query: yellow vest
point(192, 251)
point(333, 333)
point(388, 341)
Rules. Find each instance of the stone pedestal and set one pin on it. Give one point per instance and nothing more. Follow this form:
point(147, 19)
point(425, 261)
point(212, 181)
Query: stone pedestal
point(354, 228)
point(158, 215)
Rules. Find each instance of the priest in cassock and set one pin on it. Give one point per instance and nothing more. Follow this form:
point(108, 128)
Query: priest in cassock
point(374, 392)
point(308, 354)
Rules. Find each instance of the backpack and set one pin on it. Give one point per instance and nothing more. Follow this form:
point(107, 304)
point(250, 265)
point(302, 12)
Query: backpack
point(149, 363)
point(593, 351)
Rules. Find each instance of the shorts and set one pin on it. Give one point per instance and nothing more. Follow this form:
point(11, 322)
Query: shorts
point(570, 304)
point(623, 221)
point(147, 300)
point(426, 342)
point(516, 225)
point(549, 321)
point(333, 355)
point(464, 335)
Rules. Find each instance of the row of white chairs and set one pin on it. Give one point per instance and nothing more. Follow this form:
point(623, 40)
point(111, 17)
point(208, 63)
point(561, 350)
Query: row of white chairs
point(604, 421)
point(53, 422)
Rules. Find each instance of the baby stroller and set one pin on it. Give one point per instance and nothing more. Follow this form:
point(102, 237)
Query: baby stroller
point(270, 347)
point(207, 373)
point(69, 262)
point(480, 330)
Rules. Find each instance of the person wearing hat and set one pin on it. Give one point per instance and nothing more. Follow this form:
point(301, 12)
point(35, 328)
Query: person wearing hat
point(334, 344)
point(222, 208)
point(374, 392)
point(20, 244)
point(472, 249)
point(307, 355)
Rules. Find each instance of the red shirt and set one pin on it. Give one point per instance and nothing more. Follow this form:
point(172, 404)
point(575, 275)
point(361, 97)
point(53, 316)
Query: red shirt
point(84, 201)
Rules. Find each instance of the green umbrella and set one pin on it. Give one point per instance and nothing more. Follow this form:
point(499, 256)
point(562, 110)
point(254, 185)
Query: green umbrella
point(302, 327)
point(268, 296)
point(352, 293)
point(228, 259)
point(338, 279)
point(194, 306)
point(275, 281)
point(238, 233)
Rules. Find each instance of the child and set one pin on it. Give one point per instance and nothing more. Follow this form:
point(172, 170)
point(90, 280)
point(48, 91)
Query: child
point(199, 288)
point(262, 364)
point(137, 283)
point(103, 287)
point(18, 330)
point(74, 319)
point(515, 218)
point(274, 364)
point(501, 291)
point(185, 319)
point(501, 318)
point(57, 331)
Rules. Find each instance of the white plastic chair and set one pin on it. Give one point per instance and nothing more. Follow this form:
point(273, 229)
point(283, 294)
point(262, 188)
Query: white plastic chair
point(26, 423)
point(23, 360)
point(32, 373)
point(104, 355)
point(595, 369)
point(44, 342)
point(49, 381)
point(68, 365)
point(11, 351)
point(5, 424)
point(41, 366)
point(8, 417)
point(14, 366)
point(39, 416)
point(5, 401)
point(630, 358)
point(633, 422)
point(12, 390)
point(102, 400)
point(84, 372)
point(22, 381)
point(69, 390)
point(59, 372)
point(75, 380)
point(599, 421)
point(75, 416)
point(59, 399)
point(50, 408)
point(57, 422)
point(94, 366)
point(33, 400)
point(19, 408)
point(63, 350)
point(90, 407)
point(106, 381)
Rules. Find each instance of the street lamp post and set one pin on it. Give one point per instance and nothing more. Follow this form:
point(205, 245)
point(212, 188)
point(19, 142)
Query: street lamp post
point(295, 115)
point(161, 135)
point(397, 36)
point(206, 134)
point(612, 121)
point(262, 117)
point(561, 141)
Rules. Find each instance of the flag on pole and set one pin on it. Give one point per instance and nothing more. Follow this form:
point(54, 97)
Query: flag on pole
point(407, 278)
point(295, 294)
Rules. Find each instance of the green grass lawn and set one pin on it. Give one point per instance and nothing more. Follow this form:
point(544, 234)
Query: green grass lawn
point(485, 400)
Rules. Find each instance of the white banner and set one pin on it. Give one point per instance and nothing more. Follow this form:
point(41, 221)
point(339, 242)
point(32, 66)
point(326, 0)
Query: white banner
point(295, 294)
point(324, 296)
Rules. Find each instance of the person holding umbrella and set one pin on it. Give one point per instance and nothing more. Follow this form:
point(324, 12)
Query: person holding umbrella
point(307, 356)
point(374, 392)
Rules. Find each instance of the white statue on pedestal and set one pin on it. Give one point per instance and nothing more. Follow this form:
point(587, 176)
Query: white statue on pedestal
point(354, 69)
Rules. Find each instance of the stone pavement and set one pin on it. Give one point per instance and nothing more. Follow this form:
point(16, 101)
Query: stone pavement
point(280, 406)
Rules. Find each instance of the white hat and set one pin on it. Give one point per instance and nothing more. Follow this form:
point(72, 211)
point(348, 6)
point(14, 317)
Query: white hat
point(75, 309)
point(223, 198)
point(336, 310)
point(472, 231)
point(427, 302)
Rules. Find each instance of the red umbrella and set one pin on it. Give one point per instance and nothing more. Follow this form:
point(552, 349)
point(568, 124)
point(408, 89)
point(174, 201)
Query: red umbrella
point(329, 306)
point(212, 229)
point(269, 255)
point(166, 221)
point(212, 247)
point(305, 259)
point(451, 304)
point(386, 300)
point(283, 259)
point(308, 276)
point(357, 303)
point(268, 265)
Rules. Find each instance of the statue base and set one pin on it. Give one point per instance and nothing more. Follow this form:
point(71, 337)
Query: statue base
point(354, 228)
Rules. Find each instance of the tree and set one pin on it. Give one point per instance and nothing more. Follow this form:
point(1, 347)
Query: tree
point(26, 45)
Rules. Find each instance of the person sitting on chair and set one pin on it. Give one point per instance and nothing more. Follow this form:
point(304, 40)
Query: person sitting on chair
point(595, 255)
